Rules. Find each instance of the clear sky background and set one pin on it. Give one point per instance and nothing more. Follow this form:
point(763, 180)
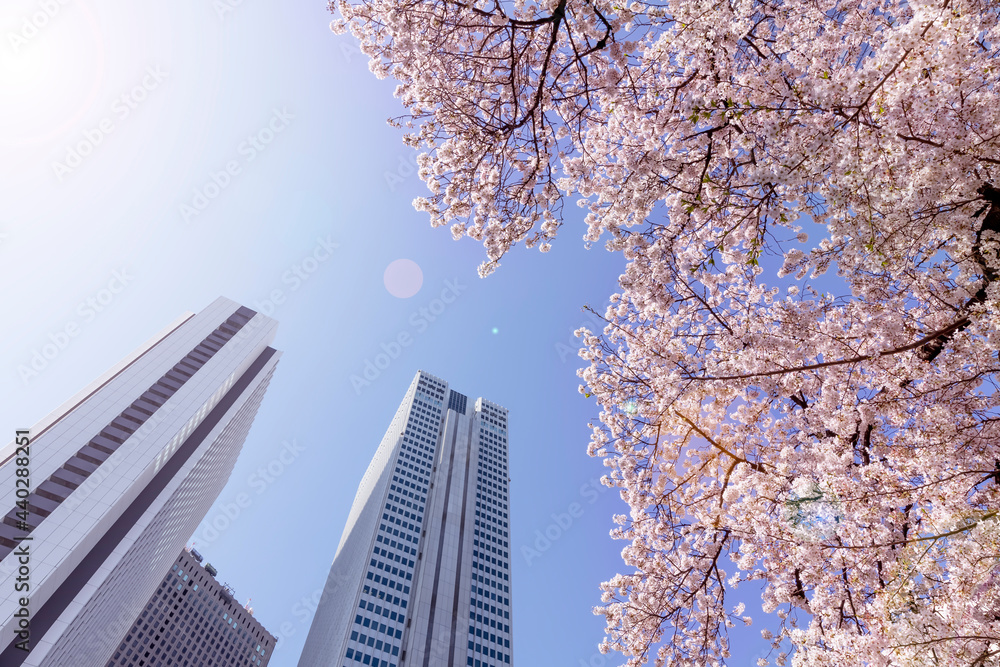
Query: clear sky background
point(115, 117)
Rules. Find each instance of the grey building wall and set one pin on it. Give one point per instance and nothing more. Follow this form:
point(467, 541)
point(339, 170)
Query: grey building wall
point(192, 620)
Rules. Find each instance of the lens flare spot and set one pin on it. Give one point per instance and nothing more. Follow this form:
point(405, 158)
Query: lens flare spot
point(403, 278)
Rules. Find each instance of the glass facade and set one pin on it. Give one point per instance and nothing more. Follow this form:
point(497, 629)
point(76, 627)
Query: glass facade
point(428, 537)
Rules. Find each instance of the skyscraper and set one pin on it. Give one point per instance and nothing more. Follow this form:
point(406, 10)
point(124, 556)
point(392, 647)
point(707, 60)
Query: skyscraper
point(421, 577)
point(192, 620)
point(119, 478)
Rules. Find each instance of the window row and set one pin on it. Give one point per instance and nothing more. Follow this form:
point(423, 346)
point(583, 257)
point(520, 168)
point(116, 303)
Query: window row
point(490, 548)
point(486, 635)
point(484, 604)
point(489, 652)
point(401, 479)
point(486, 620)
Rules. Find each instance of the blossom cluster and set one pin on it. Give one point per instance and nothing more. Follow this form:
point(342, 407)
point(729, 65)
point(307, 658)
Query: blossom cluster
point(841, 448)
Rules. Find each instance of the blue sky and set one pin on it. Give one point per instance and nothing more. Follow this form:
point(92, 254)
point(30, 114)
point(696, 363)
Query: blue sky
point(155, 157)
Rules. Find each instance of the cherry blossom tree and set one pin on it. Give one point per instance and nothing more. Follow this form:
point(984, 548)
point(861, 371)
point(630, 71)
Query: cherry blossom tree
point(798, 377)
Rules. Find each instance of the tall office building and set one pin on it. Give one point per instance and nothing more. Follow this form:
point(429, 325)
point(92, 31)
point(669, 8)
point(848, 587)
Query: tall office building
point(119, 478)
point(193, 620)
point(421, 577)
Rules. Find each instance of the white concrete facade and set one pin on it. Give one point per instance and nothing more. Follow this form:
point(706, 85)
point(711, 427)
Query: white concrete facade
point(123, 526)
point(422, 574)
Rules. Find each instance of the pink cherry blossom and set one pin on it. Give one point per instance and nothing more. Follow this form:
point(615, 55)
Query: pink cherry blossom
point(843, 449)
